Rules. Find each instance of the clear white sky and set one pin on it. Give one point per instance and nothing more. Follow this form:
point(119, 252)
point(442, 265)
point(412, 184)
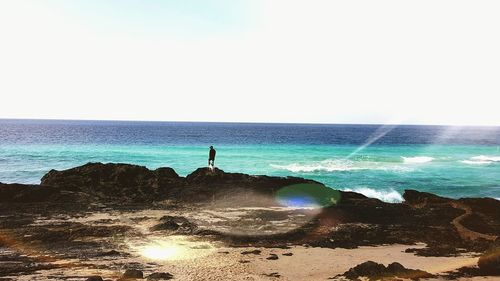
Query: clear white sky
point(423, 62)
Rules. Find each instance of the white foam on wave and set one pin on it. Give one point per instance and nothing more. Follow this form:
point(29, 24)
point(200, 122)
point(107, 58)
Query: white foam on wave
point(387, 195)
point(325, 166)
point(417, 159)
point(481, 160)
point(337, 165)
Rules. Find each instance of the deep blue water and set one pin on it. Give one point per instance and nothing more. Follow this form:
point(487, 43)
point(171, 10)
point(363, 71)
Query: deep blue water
point(377, 160)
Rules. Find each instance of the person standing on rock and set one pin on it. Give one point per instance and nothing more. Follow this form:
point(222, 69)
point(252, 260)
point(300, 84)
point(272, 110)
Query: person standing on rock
point(211, 158)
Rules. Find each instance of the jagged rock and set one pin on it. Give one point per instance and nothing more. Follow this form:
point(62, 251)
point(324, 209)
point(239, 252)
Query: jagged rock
point(132, 274)
point(489, 262)
point(160, 276)
point(132, 183)
point(377, 271)
point(418, 198)
point(175, 225)
point(367, 269)
point(71, 231)
point(109, 253)
point(357, 220)
point(27, 193)
point(273, 274)
point(237, 188)
point(123, 181)
point(253, 252)
point(272, 257)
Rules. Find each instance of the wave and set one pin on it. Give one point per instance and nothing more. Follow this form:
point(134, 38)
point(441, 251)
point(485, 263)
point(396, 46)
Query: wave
point(337, 165)
point(325, 166)
point(481, 160)
point(417, 159)
point(388, 195)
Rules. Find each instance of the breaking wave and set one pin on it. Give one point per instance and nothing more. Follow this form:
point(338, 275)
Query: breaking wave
point(325, 166)
point(387, 195)
point(417, 159)
point(481, 160)
point(338, 165)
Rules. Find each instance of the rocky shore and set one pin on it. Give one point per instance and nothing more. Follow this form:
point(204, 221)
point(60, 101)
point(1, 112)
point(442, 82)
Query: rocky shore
point(100, 220)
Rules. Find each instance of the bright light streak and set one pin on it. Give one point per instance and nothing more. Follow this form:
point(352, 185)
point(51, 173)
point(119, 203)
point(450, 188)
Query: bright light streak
point(378, 134)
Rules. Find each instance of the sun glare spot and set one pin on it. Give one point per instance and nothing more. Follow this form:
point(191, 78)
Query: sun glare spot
point(173, 248)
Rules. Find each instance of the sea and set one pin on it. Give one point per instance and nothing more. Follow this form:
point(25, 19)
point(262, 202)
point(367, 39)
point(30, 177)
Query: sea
point(379, 161)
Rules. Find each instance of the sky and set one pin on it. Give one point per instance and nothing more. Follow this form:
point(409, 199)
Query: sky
point(394, 62)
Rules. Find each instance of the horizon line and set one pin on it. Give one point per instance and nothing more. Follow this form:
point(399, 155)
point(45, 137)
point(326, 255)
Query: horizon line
point(240, 122)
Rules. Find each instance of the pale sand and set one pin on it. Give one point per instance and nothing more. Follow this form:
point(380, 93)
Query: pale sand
point(198, 261)
point(322, 263)
point(305, 263)
point(191, 260)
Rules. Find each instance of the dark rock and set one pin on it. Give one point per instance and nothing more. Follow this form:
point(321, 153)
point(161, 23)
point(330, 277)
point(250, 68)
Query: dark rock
point(109, 254)
point(256, 190)
point(95, 278)
point(254, 252)
point(367, 269)
point(273, 274)
point(115, 181)
point(75, 231)
point(463, 273)
point(160, 276)
point(356, 219)
point(132, 183)
point(272, 257)
point(288, 254)
point(176, 225)
point(489, 262)
point(14, 264)
point(418, 198)
point(132, 274)
point(395, 267)
point(27, 193)
point(376, 271)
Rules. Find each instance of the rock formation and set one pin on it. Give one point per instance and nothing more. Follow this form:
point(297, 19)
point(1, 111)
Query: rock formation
point(377, 271)
point(343, 219)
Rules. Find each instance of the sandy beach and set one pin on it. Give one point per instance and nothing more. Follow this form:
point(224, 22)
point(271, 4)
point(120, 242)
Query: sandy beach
point(194, 258)
point(213, 225)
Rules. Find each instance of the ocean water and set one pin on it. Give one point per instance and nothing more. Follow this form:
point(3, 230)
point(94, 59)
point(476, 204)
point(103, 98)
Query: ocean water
point(377, 160)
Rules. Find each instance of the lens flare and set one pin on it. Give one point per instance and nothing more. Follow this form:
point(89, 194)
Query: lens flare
point(307, 196)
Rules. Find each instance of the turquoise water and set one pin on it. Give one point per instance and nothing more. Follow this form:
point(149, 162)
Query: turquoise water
point(457, 171)
point(381, 170)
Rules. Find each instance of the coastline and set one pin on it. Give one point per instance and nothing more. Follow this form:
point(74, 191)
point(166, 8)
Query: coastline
point(101, 219)
point(448, 161)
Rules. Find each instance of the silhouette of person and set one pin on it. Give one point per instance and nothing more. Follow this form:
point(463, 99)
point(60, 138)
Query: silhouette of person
point(211, 158)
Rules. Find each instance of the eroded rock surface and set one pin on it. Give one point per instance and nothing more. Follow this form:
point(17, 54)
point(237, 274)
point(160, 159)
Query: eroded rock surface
point(35, 215)
point(377, 271)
